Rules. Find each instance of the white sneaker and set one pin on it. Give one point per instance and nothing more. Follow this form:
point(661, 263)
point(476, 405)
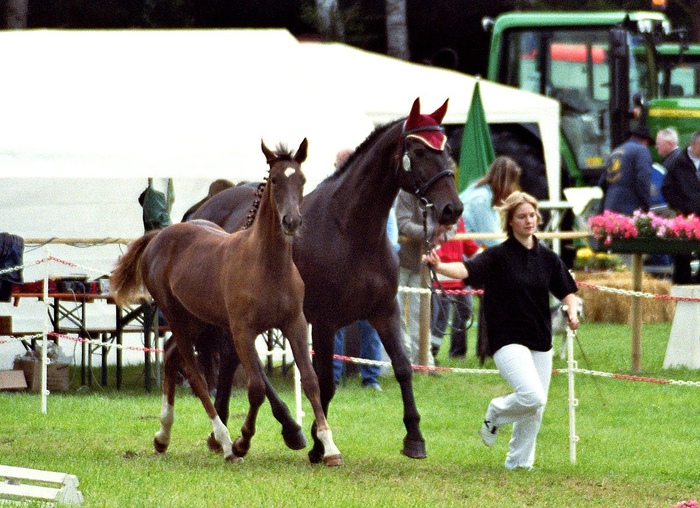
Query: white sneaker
point(488, 433)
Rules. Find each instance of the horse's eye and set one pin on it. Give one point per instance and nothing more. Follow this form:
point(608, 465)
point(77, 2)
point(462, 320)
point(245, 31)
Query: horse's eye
point(419, 152)
point(273, 180)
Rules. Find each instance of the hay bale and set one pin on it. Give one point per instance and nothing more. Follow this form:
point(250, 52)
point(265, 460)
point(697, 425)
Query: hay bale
point(604, 307)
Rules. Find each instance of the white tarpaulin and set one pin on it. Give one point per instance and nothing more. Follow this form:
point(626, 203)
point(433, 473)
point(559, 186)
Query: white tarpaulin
point(88, 116)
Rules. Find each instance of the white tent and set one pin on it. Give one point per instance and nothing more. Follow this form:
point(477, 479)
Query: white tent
point(88, 116)
point(385, 87)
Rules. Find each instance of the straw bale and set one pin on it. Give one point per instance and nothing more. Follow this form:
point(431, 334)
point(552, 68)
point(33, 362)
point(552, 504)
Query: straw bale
point(605, 307)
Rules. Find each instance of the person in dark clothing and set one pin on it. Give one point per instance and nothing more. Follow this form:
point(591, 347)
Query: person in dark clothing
point(626, 181)
point(681, 191)
point(517, 277)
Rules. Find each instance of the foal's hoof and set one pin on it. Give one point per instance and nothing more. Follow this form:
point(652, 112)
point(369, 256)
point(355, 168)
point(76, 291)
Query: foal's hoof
point(240, 448)
point(234, 458)
point(333, 460)
point(160, 447)
point(295, 440)
point(213, 444)
point(414, 449)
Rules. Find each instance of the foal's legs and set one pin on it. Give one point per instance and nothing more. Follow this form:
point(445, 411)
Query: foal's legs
point(296, 333)
point(185, 332)
point(244, 342)
point(172, 365)
point(291, 431)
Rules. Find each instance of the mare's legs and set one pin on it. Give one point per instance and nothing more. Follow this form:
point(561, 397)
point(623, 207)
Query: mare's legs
point(389, 328)
point(324, 448)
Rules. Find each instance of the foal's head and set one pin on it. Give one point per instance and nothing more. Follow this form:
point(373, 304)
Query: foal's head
point(286, 184)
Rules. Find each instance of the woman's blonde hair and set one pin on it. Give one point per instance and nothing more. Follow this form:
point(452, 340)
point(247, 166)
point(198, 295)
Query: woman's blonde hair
point(503, 176)
point(511, 203)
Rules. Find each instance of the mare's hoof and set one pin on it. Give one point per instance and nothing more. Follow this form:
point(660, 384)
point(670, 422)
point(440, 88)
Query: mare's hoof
point(160, 447)
point(295, 440)
point(333, 460)
point(213, 444)
point(315, 456)
point(239, 449)
point(414, 449)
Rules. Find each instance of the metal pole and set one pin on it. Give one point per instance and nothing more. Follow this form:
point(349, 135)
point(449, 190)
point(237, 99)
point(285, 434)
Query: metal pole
point(45, 340)
point(573, 402)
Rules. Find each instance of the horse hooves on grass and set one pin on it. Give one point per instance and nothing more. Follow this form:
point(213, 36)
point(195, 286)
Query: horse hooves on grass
point(333, 460)
point(414, 449)
point(213, 444)
point(239, 449)
point(295, 440)
point(315, 456)
point(234, 458)
point(160, 447)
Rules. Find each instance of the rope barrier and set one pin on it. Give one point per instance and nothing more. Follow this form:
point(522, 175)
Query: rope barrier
point(457, 370)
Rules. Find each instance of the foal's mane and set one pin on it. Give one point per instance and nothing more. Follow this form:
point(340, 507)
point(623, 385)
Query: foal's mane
point(283, 153)
point(369, 140)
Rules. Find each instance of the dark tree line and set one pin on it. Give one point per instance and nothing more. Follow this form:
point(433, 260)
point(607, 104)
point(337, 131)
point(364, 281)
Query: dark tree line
point(446, 33)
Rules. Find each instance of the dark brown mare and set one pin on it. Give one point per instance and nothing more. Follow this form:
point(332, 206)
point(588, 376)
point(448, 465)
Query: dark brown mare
point(244, 282)
point(348, 265)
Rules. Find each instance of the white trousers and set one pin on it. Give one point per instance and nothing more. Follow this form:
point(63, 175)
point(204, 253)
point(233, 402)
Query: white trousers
point(528, 373)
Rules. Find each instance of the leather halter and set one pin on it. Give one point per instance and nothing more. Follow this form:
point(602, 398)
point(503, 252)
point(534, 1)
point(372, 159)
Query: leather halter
point(422, 191)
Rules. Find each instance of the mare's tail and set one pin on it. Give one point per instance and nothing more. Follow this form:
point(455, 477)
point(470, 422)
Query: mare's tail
point(126, 282)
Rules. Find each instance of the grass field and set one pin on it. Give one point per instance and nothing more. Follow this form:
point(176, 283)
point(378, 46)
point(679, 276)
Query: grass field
point(639, 442)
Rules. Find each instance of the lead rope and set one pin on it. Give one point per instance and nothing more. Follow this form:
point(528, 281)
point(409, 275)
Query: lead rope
point(433, 278)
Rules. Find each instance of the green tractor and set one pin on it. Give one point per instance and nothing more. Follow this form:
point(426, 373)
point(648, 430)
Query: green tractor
point(679, 84)
point(607, 70)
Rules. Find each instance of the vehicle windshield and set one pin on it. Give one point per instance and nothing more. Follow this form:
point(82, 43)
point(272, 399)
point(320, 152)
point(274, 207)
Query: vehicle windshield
point(573, 66)
point(679, 76)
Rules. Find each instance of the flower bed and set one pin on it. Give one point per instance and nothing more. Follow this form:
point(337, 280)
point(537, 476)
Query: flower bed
point(644, 233)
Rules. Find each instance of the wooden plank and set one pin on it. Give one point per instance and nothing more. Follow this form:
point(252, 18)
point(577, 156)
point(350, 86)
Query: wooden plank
point(28, 491)
point(36, 475)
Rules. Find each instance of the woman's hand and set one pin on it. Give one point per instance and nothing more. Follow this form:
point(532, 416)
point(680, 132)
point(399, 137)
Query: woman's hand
point(431, 259)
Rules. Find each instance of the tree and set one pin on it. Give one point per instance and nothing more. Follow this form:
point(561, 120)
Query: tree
point(397, 29)
point(16, 13)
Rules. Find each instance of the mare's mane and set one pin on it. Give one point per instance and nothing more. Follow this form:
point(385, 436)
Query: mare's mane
point(369, 140)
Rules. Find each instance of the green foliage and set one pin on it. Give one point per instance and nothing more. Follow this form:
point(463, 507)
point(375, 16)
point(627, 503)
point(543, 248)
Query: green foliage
point(638, 441)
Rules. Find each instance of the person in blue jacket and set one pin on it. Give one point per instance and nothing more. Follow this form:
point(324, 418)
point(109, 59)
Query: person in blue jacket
point(626, 181)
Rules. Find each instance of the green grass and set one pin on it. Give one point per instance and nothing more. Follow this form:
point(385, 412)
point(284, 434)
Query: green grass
point(638, 445)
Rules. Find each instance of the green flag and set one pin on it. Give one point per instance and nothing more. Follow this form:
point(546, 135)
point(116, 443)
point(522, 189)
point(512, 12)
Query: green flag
point(476, 153)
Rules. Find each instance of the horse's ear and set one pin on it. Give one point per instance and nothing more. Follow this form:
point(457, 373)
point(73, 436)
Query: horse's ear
point(415, 109)
point(269, 154)
point(440, 112)
point(300, 156)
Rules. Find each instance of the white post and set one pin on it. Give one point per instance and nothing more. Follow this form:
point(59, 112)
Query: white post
point(573, 402)
point(45, 340)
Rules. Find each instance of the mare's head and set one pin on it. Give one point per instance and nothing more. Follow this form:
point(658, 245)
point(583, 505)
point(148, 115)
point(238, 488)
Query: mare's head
point(425, 167)
point(286, 184)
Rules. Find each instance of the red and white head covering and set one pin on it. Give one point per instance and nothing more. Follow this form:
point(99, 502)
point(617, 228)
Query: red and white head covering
point(426, 128)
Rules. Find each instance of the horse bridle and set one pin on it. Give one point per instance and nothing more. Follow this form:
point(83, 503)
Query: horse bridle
point(406, 163)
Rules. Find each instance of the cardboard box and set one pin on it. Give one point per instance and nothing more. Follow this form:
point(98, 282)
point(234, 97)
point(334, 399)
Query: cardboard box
point(56, 375)
point(12, 380)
